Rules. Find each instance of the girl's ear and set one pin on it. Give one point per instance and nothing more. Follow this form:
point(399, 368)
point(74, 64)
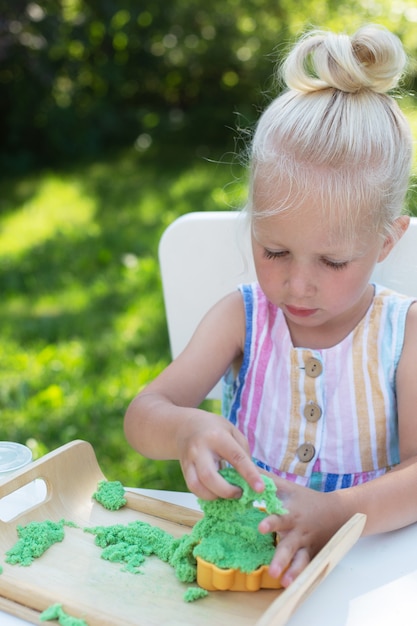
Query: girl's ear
point(399, 227)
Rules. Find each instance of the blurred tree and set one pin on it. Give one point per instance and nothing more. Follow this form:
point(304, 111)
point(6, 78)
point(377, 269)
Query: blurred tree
point(80, 76)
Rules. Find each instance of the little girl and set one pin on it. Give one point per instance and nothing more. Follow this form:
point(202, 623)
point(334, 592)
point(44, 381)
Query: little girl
point(319, 363)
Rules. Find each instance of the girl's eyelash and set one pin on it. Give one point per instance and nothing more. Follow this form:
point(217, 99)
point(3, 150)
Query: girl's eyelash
point(335, 265)
point(270, 254)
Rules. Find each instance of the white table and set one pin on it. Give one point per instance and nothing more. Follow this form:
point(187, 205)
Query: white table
point(374, 585)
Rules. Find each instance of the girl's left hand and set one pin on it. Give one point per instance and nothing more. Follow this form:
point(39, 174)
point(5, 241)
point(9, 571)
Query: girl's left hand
point(312, 520)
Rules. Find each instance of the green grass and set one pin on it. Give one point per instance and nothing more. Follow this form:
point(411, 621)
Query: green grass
point(81, 312)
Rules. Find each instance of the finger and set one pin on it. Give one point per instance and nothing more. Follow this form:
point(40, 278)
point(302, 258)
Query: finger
point(267, 526)
point(206, 479)
point(237, 455)
point(241, 440)
point(284, 554)
point(298, 564)
point(195, 485)
point(272, 524)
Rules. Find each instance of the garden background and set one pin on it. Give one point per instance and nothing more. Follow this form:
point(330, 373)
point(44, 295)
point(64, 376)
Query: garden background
point(116, 117)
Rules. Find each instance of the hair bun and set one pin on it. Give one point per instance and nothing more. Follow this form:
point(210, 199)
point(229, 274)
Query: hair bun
point(373, 59)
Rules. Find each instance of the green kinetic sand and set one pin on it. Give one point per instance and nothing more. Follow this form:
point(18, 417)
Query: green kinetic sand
point(34, 540)
point(194, 593)
point(55, 611)
point(110, 494)
point(226, 536)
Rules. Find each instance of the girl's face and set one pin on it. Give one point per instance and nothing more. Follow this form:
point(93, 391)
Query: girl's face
point(318, 279)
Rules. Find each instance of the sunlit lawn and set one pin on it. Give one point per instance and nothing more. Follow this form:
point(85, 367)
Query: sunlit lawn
point(81, 309)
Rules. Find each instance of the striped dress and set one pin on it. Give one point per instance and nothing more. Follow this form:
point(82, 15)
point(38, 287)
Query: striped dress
point(326, 419)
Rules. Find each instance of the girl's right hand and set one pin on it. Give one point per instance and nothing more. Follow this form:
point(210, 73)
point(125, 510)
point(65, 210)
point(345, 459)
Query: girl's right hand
point(204, 441)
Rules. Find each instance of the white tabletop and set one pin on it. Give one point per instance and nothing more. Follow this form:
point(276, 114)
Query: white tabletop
point(375, 584)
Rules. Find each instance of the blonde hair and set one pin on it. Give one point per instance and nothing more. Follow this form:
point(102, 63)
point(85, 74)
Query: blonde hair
point(335, 132)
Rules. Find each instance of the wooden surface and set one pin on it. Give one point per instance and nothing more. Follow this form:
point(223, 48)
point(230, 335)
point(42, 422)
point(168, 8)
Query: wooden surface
point(73, 574)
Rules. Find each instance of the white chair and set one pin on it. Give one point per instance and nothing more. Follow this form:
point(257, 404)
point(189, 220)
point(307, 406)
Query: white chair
point(205, 255)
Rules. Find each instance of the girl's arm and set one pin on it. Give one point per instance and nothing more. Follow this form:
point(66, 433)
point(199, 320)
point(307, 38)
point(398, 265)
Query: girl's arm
point(163, 421)
point(389, 502)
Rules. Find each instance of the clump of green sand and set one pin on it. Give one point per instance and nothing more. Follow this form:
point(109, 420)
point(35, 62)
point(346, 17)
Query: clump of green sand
point(110, 494)
point(55, 611)
point(226, 536)
point(194, 593)
point(34, 540)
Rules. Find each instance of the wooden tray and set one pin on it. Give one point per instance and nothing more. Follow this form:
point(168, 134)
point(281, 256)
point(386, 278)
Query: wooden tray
point(73, 574)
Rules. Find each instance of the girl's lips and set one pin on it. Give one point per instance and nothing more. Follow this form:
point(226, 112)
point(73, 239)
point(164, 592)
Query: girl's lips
point(300, 312)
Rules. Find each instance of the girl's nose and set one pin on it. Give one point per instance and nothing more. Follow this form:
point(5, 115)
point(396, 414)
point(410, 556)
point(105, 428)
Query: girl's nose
point(300, 280)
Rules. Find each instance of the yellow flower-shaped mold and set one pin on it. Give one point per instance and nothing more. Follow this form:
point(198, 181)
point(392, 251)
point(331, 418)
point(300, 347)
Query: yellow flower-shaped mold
point(213, 578)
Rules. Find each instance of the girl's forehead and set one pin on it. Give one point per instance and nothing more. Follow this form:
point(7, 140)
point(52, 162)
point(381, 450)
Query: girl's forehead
point(313, 229)
point(312, 194)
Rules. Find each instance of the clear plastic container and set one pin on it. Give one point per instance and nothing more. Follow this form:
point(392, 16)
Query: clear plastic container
point(13, 456)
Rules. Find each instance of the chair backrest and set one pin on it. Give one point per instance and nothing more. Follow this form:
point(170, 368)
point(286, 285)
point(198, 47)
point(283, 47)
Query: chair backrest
point(205, 255)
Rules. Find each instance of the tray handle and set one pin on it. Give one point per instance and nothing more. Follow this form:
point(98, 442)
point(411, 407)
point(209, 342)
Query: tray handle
point(71, 469)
